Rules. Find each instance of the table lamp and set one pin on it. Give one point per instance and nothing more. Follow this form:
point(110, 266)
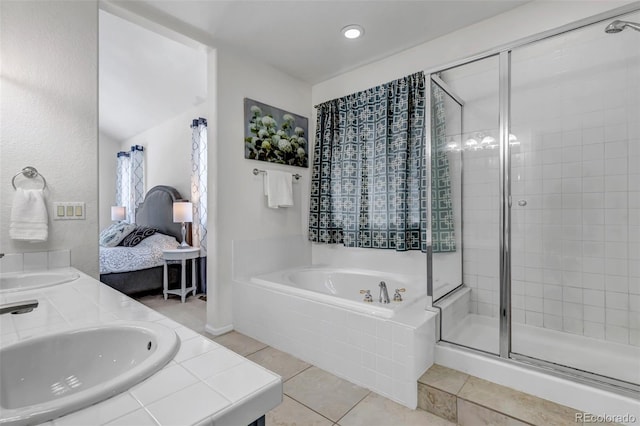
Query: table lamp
point(118, 213)
point(183, 212)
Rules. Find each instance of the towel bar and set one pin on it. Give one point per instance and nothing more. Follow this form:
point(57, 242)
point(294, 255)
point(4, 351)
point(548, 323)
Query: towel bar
point(256, 171)
point(30, 173)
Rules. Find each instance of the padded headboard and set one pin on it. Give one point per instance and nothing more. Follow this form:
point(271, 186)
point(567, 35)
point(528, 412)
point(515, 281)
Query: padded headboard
point(157, 211)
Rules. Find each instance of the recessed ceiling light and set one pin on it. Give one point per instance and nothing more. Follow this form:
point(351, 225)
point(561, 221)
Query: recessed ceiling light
point(352, 31)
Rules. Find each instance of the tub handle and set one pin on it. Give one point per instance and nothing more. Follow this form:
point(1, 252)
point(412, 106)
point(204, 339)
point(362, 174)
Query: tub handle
point(397, 297)
point(367, 295)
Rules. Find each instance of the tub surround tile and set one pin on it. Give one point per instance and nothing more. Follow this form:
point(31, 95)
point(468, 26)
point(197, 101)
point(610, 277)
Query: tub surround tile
point(348, 344)
point(377, 410)
point(12, 262)
point(324, 393)
point(35, 261)
point(279, 362)
point(239, 343)
point(292, 413)
point(519, 405)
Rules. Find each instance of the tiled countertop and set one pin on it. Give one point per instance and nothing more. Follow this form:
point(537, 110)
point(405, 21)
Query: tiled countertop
point(204, 384)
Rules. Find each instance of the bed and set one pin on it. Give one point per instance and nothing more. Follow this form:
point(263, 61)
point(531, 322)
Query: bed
point(135, 270)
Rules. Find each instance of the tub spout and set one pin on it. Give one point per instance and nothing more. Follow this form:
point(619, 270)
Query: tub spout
point(21, 307)
point(384, 294)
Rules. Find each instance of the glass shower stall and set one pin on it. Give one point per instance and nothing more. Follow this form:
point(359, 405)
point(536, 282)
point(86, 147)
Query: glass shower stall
point(542, 141)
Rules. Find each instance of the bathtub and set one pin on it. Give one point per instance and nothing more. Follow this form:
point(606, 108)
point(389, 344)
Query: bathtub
point(341, 287)
point(317, 314)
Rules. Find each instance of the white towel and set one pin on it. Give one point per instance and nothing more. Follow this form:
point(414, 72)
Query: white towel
point(278, 189)
point(29, 219)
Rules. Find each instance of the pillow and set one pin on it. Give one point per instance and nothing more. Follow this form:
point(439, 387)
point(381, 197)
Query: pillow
point(140, 233)
point(114, 233)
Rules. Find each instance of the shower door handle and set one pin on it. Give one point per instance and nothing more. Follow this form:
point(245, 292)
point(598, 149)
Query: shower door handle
point(522, 203)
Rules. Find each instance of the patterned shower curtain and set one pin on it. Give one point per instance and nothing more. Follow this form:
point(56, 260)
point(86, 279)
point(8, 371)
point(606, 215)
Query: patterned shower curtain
point(369, 177)
point(199, 192)
point(130, 181)
point(443, 237)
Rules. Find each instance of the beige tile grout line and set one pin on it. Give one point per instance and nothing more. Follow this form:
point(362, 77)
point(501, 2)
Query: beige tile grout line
point(354, 406)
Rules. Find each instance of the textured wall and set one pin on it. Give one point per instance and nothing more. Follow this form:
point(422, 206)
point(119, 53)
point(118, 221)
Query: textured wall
point(242, 212)
point(48, 115)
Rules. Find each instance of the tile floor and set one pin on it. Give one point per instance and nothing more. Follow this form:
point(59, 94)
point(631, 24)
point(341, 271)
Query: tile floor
point(312, 397)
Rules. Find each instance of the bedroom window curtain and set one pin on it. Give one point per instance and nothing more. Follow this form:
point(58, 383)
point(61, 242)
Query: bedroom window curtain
point(369, 176)
point(130, 181)
point(199, 192)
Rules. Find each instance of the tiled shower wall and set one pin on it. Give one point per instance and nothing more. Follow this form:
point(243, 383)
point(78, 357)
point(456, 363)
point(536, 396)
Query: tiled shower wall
point(576, 243)
point(576, 260)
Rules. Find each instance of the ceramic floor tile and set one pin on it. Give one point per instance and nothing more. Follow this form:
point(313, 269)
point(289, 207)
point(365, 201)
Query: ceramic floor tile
point(444, 378)
point(239, 343)
point(376, 410)
point(470, 414)
point(438, 402)
point(516, 404)
point(324, 393)
point(279, 362)
point(292, 413)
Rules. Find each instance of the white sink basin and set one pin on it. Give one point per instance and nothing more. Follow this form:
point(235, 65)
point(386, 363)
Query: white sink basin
point(49, 376)
point(18, 281)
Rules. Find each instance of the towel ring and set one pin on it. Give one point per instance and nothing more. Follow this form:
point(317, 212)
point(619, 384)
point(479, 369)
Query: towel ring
point(30, 173)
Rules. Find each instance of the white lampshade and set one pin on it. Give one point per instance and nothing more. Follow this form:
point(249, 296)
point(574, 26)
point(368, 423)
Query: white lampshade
point(182, 212)
point(118, 213)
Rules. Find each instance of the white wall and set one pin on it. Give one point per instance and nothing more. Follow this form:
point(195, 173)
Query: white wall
point(242, 213)
point(530, 19)
point(167, 150)
point(48, 111)
point(107, 150)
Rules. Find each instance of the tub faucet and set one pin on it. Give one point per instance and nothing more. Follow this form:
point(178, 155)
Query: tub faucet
point(384, 295)
point(21, 307)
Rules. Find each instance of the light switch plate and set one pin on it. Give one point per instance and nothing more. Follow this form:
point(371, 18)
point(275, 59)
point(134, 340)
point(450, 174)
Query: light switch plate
point(69, 210)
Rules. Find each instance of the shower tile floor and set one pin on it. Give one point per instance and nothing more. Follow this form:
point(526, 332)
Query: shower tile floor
point(312, 397)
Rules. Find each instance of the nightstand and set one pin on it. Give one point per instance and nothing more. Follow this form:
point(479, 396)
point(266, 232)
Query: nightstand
point(175, 256)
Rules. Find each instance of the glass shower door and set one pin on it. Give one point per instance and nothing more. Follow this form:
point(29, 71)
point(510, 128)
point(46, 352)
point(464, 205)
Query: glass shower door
point(575, 147)
point(470, 314)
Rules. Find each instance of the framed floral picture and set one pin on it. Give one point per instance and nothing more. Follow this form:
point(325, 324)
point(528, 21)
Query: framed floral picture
point(275, 135)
